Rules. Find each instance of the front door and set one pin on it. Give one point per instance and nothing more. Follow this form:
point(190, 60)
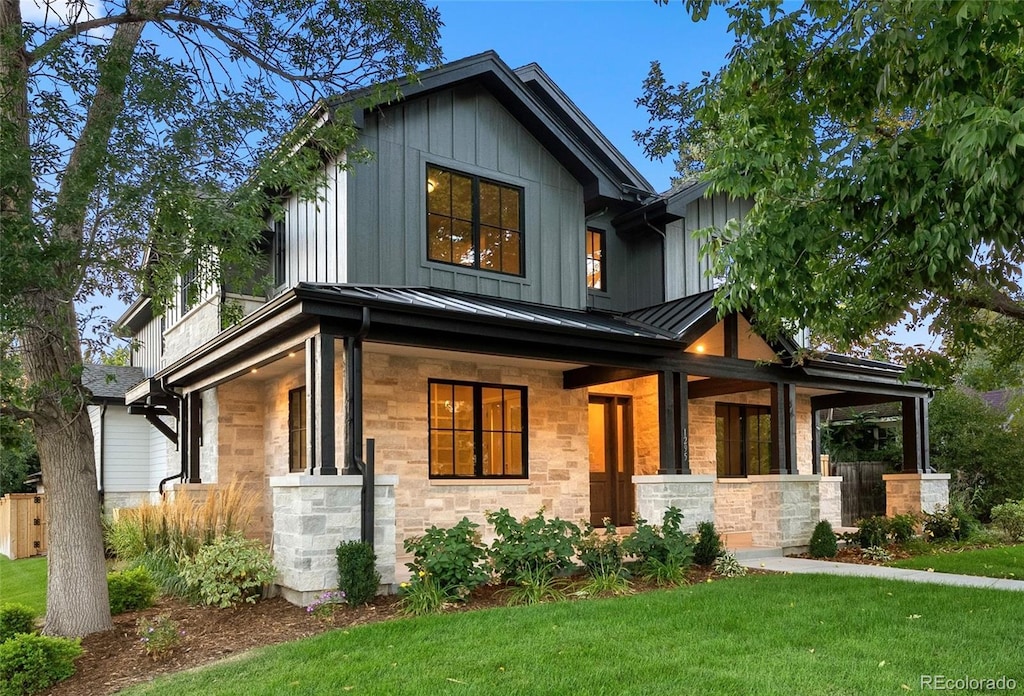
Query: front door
point(611, 460)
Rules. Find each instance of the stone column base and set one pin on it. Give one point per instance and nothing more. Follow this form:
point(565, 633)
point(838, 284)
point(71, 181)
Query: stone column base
point(915, 493)
point(693, 494)
point(830, 498)
point(312, 515)
point(784, 510)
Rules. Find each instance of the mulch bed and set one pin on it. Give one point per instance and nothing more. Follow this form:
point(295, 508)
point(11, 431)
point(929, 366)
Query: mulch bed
point(852, 554)
point(115, 659)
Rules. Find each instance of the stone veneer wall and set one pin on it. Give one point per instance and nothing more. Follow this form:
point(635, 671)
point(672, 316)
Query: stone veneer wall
point(395, 415)
point(693, 495)
point(240, 429)
point(830, 498)
point(915, 493)
point(733, 501)
point(197, 327)
point(784, 510)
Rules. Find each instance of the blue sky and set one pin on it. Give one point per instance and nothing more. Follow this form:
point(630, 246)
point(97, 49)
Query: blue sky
point(598, 52)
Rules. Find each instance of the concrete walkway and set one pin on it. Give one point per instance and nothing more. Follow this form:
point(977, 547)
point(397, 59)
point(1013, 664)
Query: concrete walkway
point(806, 565)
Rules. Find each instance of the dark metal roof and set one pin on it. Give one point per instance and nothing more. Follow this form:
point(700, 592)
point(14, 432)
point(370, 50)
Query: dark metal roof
point(110, 382)
point(678, 317)
point(448, 301)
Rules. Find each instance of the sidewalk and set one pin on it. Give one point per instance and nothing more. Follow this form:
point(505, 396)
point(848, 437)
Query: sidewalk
point(806, 565)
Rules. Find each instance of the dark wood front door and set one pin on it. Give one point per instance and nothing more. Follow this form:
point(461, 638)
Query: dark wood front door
point(611, 460)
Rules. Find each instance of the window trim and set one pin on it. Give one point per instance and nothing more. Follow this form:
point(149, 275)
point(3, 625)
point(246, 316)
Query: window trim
point(478, 388)
point(188, 279)
point(603, 236)
point(476, 180)
point(303, 464)
point(744, 463)
point(279, 259)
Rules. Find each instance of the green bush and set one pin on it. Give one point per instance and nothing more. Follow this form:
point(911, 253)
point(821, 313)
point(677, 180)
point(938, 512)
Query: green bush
point(600, 554)
point(727, 566)
point(1010, 518)
point(453, 558)
point(823, 541)
point(229, 570)
point(903, 527)
point(357, 572)
point(30, 663)
point(708, 546)
point(663, 552)
point(15, 619)
point(534, 546)
point(942, 524)
point(130, 590)
point(872, 531)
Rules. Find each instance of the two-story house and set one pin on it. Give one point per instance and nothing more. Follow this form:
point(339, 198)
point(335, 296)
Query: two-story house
point(503, 306)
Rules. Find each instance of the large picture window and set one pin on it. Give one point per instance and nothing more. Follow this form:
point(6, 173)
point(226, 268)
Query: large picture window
point(477, 430)
point(474, 222)
point(744, 440)
point(297, 430)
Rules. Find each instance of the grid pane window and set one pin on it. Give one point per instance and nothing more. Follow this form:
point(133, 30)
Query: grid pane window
point(743, 440)
point(297, 429)
point(477, 430)
point(595, 260)
point(473, 222)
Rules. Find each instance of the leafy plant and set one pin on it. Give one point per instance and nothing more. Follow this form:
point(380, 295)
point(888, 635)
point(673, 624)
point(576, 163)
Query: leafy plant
point(230, 570)
point(903, 527)
point(600, 554)
point(15, 619)
point(452, 558)
point(872, 531)
point(423, 594)
point(949, 523)
point(876, 553)
point(324, 605)
point(30, 663)
point(1009, 517)
point(600, 584)
point(357, 572)
point(130, 590)
point(727, 566)
point(709, 544)
point(534, 586)
point(664, 552)
point(823, 541)
point(534, 545)
point(159, 636)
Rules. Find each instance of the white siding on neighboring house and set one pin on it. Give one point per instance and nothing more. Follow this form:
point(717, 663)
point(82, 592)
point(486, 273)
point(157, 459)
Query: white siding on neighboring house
point(685, 270)
point(160, 465)
point(125, 455)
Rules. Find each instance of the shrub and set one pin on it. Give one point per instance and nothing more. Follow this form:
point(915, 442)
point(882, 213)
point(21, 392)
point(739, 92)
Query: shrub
point(872, 531)
point(15, 619)
point(1010, 518)
point(357, 572)
point(727, 566)
point(949, 523)
point(535, 545)
point(600, 554)
point(130, 590)
point(452, 559)
point(823, 541)
point(30, 663)
point(708, 546)
point(903, 527)
point(230, 570)
point(664, 552)
point(159, 636)
point(423, 594)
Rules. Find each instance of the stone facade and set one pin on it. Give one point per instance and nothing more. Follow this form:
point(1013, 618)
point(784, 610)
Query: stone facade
point(693, 495)
point(733, 505)
point(312, 515)
point(830, 499)
point(915, 493)
point(240, 438)
point(201, 324)
point(784, 510)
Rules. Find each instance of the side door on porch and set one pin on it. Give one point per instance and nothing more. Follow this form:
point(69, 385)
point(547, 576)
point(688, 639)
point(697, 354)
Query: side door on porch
point(611, 460)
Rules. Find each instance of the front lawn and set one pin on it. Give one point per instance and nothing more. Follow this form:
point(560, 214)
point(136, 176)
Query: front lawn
point(24, 582)
point(765, 634)
point(996, 562)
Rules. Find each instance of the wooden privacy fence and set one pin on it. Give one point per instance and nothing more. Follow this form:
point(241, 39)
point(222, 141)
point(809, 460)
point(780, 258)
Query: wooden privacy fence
point(22, 525)
point(862, 490)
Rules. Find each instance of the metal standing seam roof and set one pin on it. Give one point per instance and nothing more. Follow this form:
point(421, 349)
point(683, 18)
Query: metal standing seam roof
point(491, 307)
point(110, 381)
point(676, 317)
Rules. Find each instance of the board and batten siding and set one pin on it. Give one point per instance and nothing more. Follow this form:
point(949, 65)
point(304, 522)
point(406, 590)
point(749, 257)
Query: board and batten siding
point(463, 129)
point(686, 273)
point(147, 349)
point(633, 267)
point(316, 248)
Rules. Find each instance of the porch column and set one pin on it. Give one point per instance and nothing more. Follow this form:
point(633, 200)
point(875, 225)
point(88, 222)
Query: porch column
point(783, 413)
point(353, 462)
point(320, 404)
point(816, 441)
point(190, 433)
point(673, 423)
point(915, 447)
point(682, 391)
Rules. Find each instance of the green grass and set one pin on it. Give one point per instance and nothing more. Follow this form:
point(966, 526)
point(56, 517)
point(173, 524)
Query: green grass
point(24, 582)
point(766, 634)
point(996, 562)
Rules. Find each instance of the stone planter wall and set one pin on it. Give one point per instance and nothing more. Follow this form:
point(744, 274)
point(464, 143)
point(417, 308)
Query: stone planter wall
point(915, 493)
point(694, 495)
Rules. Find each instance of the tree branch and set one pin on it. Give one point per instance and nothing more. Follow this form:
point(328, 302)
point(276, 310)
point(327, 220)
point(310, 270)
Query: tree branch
point(78, 28)
point(994, 300)
point(16, 412)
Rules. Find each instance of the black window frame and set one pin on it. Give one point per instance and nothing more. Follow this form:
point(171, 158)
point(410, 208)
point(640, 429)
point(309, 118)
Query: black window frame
point(478, 431)
point(476, 223)
point(279, 257)
point(601, 261)
point(189, 278)
point(297, 431)
point(744, 413)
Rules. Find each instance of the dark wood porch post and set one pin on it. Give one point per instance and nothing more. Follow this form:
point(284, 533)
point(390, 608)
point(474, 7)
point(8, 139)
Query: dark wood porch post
point(667, 423)
point(320, 371)
point(195, 435)
point(816, 441)
point(682, 436)
point(926, 460)
point(912, 440)
point(783, 410)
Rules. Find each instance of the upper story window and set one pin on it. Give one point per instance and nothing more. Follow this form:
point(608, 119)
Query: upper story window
point(297, 430)
point(189, 289)
point(477, 430)
point(596, 279)
point(743, 436)
point(474, 222)
point(277, 248)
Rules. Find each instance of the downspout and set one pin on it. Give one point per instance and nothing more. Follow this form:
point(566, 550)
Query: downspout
point(102, 457)
point(354, 408)
point(181, 474)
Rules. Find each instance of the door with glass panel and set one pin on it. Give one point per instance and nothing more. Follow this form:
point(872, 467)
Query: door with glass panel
point(611, 460)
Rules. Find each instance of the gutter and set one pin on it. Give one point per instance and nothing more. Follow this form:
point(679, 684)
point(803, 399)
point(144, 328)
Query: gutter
point(103, 453)
point(182, 473)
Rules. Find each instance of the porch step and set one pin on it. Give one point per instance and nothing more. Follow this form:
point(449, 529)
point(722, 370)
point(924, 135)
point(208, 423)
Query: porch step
point(747, 553)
